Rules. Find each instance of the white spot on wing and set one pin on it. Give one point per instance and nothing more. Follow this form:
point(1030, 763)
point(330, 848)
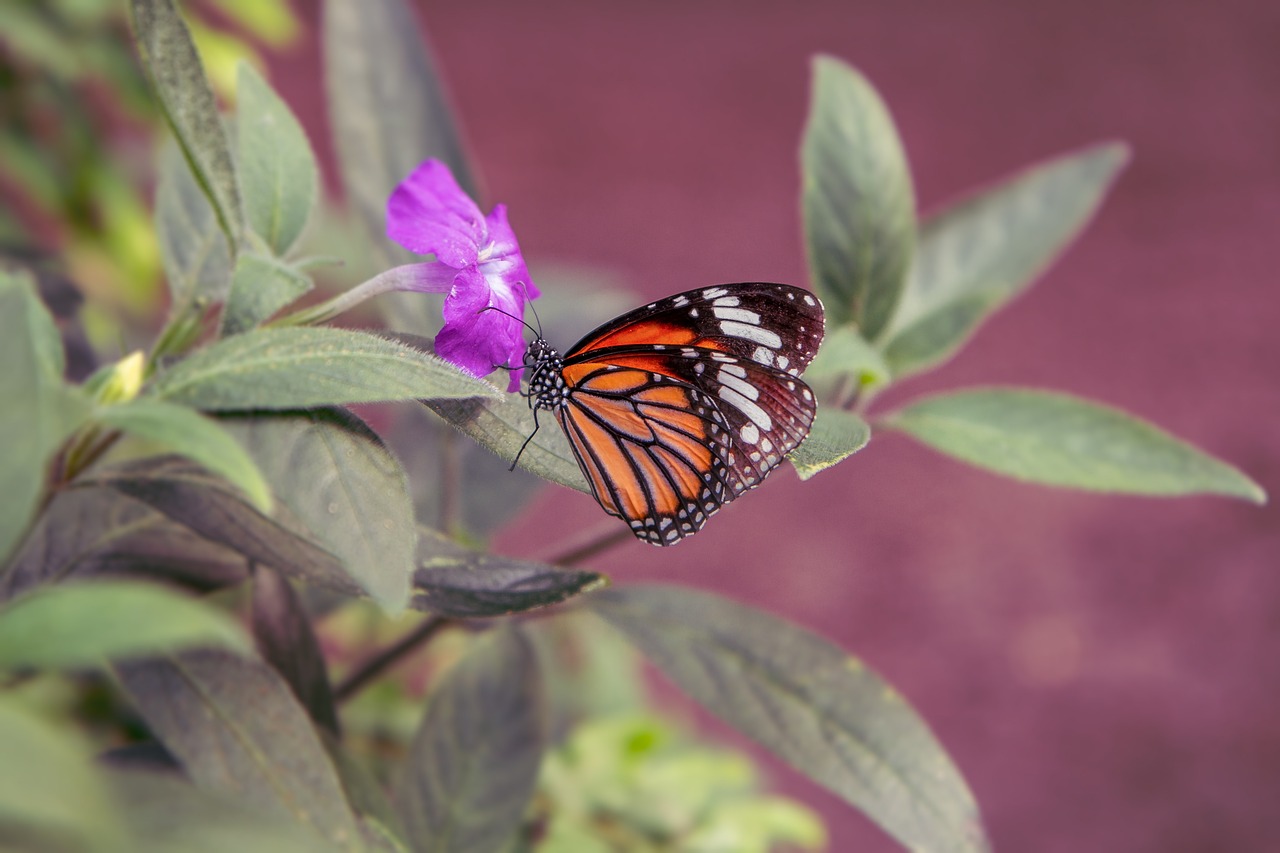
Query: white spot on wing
point(750, 434)
point(727, 301)
point(713, 292)
point(753, 412)
point(755, 334)
point(744, 388)
point(740, 314)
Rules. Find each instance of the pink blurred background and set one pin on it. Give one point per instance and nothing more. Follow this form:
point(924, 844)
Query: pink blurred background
point(1103, 669)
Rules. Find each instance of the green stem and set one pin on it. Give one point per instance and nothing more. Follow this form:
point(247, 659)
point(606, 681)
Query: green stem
point(372, 667)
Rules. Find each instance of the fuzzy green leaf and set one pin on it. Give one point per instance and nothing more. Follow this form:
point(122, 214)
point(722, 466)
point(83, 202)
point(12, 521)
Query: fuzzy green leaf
point(835, 436)
point(283, 633)
point(189, 106)
point(471, 769)
point(857, 199)
point(335, 476)
point(86, 624)
point(980, 252)
point(1060, 440)
point(40, 411)
point(188, 433)
point(297, 368)
point(197, 258)
point(812, 705)
point(278, 174)
point(260, 286)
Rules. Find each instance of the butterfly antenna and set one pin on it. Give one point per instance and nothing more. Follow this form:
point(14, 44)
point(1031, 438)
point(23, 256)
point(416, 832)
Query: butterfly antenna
point(534, 309)
point(537, 332)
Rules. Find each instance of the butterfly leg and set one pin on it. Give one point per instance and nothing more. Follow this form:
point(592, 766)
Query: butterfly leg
point(526, 441)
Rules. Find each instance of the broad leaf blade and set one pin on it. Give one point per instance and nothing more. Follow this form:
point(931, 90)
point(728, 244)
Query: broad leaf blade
point(835, 436)
point(454, 582)
point(1060, 440)
point(387, 105)
point(207, 506)
point(335, 475)
point(85, 624)
point(472, 766)
point(278, 174)
point(298, 368)
point(166, 813)
point(982, 251)
point(857, 199)
point(818, 709)
point(197, 258)
point(93, 532)
point(189, 106)
point(238, 730)
point(504, 425)
point(50, 793)
point(260, 286)
point(190, 434)
point(285, 639)
point(39, 410)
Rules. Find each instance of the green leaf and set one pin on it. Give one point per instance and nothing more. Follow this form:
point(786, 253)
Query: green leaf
point(846, 364)
point(197, 258)
point(504, 425)
point(283, 634)
point(39, 410)
point(189, 106)
point(297, 368)
point(209, 507)
point(455, 582)
point(977, 254)
point(1060, 440)
point(188, 433)
point(337, 478)
point(278, 174)
point(166, 813)
point(237, 729)
point(260, 286)
point(86, 624)
point(835, 436)
point(471, 769)
point(378, 822)
point(812, 705)
point(50, 793)
point(858, 203)
point(387, 106)
point(87, 532)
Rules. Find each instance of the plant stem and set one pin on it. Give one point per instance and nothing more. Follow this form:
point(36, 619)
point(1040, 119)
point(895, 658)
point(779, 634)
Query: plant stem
point(595, 543)
point(374, 666)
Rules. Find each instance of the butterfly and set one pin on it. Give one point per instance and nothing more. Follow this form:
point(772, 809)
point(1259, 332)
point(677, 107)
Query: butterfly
point(677, 408)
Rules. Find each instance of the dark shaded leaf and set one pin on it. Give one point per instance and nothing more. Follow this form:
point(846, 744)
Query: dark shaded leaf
point(51, 797)
point(296, 368)
point(167, 814)
point(1061, 440)
point(208, 506)
point(89, 532)
point(337, 478)
point(472, 766)
point(260, 286)
point(858, 203)
point(39, 410)
point(455, 582)
point(285, 639)
point(190, 434)
point(197, 258)
point(189, 106)
point(379, 825)
point(238, 730)
point(86, 624)
point(979, 253)
point(835, 436)
point(387, 106)
point(818, 709)
point(278, 174)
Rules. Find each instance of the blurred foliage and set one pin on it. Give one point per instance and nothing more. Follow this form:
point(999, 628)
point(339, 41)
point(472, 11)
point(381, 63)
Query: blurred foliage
point(80, 123)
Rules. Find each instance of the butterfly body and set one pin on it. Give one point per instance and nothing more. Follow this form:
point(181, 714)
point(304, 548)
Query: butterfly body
point(679, 407)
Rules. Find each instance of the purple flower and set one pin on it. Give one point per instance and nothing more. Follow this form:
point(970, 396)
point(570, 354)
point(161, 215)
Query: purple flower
point(478, 264)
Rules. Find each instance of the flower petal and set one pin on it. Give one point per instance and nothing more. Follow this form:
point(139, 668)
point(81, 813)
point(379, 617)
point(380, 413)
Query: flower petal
point(428, 213)
point(477, 340)
point(502, 257)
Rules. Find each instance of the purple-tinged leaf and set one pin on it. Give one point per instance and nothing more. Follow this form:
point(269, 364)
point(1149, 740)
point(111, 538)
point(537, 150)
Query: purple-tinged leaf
point(472, 766)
